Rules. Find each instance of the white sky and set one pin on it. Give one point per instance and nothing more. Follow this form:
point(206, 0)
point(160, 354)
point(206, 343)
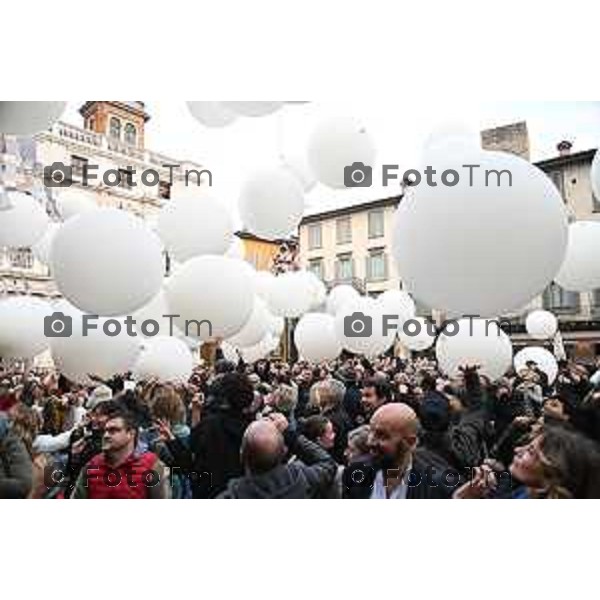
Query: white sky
point(399, 128)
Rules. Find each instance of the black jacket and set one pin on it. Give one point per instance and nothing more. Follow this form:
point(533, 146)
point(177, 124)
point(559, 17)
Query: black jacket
point(430, 478)
point(213, 456)
point(307, 477)
point(16, 473)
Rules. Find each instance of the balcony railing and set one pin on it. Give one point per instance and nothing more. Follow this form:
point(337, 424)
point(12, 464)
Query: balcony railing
point(99, 140)
point(358, 284)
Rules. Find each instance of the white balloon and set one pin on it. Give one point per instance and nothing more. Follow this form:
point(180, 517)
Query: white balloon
point(24, 223)
point(261, 350)
point(545, 361)
point(211, 114)
point(216, 289)
point(157, 310)
point(230, 352)
point(446, 239)
point(107, 262)
point(336, 144)
point(541, 324)
point(339, 296)
point(315, 288)
point(264, 281)
point(291, 295)
point(258, 108)
point(397, 302)
point(22, 326)
point(300, 169)
point(316, 339)
point(255, 328)
point(236, 250)
point(166, 358)
point(29, 118)
point(71, 202)
point(359, 327)
point(96, 353)
point(194, 227)
point(41, 249)
point(271, 203)
point(416, 337)
point(580, 271)
point(276, 326)
point(478, 342)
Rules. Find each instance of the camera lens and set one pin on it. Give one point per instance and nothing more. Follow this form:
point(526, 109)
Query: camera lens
point(361, 326)
point(358, 179)
point(61, 326)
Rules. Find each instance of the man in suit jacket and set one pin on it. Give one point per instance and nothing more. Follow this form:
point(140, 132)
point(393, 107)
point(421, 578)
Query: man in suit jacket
point(395, 469)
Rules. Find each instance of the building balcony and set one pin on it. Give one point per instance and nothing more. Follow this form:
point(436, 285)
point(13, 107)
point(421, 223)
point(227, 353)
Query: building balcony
point(358, 284)
point(99, 141)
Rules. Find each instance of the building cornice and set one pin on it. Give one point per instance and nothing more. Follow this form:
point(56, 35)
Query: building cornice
point(349, 210)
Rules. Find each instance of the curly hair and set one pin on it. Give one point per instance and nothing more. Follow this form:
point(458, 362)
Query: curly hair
point(26, 424)
point(168, 405)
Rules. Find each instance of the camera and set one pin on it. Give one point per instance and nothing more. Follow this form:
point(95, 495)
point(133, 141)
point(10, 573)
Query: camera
point(58, 175)
point(359, 476)
point(358, 325)
point(358, 175)
point(58, 325)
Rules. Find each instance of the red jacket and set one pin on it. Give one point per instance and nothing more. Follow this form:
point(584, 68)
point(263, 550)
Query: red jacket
point(134, 479)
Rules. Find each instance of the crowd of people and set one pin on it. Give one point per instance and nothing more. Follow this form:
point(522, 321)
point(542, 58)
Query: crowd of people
point(384, 429)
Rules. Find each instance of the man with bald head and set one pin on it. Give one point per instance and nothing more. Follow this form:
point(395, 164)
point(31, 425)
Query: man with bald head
point(396, 469)
point(264, 449)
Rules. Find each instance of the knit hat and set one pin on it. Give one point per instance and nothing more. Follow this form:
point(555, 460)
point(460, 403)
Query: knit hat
point(100, 394)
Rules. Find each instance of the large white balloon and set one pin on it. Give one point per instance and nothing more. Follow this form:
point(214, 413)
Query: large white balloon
point(544, 360)
point(292, 294)
point(107, 262)
point(477, 342)
point(580, 271)
point(71, 202)
point(339, 296)
point(359, 327)
point(166, 358)
point(541, 324)
point(271, 203)
point(22, 326)
point(216, 289)
point(446, 239)
point(261, 350)
point(336, 144)
point(300, 169)
point(24, 223)
point(28, 118)
point(264, 281)
point(416, 333)
point(96, 353)
point(316, 339)
point(258, 108)
point(397, 302)
point(41, 249)
point(255, 328)
point(212, 114)
point(157, 310)
point(193, 227)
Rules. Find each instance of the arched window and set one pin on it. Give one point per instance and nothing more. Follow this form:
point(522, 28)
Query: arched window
point(130, 134)
point(115, 128)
